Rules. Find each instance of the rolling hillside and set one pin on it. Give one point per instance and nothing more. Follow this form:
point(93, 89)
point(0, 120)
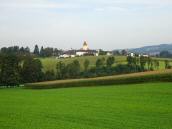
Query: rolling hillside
point(153, 50)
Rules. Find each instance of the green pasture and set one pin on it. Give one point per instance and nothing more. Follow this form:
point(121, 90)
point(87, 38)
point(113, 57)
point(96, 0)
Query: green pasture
point(136, 106)
point(50, 63)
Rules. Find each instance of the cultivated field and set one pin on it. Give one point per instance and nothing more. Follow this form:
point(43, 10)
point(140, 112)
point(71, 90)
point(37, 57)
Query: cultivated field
point(136, 106)
point(133, 78)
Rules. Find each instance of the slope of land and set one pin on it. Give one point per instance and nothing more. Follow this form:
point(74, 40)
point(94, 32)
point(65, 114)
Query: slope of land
point(151, 76)
point(153, 50)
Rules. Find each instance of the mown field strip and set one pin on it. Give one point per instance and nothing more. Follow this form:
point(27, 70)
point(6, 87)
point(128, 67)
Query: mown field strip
point(153, 76)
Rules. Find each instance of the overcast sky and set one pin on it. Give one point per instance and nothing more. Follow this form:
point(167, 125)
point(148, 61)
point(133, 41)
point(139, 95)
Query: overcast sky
point(106, 24)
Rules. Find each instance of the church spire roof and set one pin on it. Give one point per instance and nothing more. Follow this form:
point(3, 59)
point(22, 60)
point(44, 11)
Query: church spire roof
point(85, 43)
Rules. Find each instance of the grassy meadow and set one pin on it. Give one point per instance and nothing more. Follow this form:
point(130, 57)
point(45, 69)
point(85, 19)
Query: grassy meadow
point(136, 106)
point(50, 63)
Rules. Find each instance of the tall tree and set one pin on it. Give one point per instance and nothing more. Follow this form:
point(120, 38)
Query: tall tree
point(10, 70)
point(32, 70)
point(73, 69)
point(99, 63)
point(86, 64)
point(143, 61)
point(165, 54)
point(167, 64)
point(42, 52)
point(156, 64)
point(149, 60)
point(124, 52)
point(61, 70)
point(36, 50)
point(110, 61)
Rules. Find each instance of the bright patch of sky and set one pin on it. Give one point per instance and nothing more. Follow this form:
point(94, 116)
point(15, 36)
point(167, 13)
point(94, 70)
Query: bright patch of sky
point(107, 24)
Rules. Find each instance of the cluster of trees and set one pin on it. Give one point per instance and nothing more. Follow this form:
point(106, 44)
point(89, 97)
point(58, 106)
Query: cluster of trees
point(142, 63)
point(168, 64)
point(18, 65)
point(42, 52)
point(122, 52)
point(165, 54)
point(15, 70)
point(73, 69)
point(46, 52)
point(15, 50)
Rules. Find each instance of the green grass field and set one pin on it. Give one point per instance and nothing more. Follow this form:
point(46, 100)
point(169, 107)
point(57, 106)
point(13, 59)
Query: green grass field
point(50, 63)
point(137, 106)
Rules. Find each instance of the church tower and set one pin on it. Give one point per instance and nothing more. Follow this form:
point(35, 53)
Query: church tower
point(85, 46)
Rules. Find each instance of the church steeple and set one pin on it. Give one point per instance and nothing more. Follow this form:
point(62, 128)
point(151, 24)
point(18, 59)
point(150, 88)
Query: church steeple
point(85, 46)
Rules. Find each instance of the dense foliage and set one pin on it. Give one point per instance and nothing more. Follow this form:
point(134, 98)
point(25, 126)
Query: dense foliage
point(9, 70)
point(165, 54)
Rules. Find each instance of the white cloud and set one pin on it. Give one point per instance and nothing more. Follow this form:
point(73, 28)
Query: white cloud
point(97, 5)
point(111, 9)
point(38, 5)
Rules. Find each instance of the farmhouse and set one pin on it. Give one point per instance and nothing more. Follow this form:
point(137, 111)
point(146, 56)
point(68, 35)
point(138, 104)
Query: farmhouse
point(68, 54)
point(131, 54)
point(137, 55)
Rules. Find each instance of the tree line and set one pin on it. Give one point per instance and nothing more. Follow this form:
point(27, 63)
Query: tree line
point(165, 54)
point(43, 52)
point(19, 66)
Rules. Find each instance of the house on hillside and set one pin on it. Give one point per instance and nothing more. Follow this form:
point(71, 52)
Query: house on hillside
point(131, 54)
point(68, 54)
point(109, 53)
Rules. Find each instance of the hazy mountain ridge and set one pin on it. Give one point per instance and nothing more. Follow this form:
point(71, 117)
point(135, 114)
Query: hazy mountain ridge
point(152, 50)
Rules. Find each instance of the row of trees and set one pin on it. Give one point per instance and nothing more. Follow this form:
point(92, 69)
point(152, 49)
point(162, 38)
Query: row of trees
point(165, 54)
point(15, 50)
point(145, 63)
point(43, 52)
point(107, 67)
point(46, 52)
point(73, 69)
point(17, 69)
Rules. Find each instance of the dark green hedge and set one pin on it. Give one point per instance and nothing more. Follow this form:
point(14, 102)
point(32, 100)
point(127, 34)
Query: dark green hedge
point(111, 80)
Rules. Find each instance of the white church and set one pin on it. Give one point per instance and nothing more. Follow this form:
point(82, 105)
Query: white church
point(84, 51)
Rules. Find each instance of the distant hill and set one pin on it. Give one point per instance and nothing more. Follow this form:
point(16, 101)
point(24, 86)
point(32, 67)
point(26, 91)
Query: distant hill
point(153, 50)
